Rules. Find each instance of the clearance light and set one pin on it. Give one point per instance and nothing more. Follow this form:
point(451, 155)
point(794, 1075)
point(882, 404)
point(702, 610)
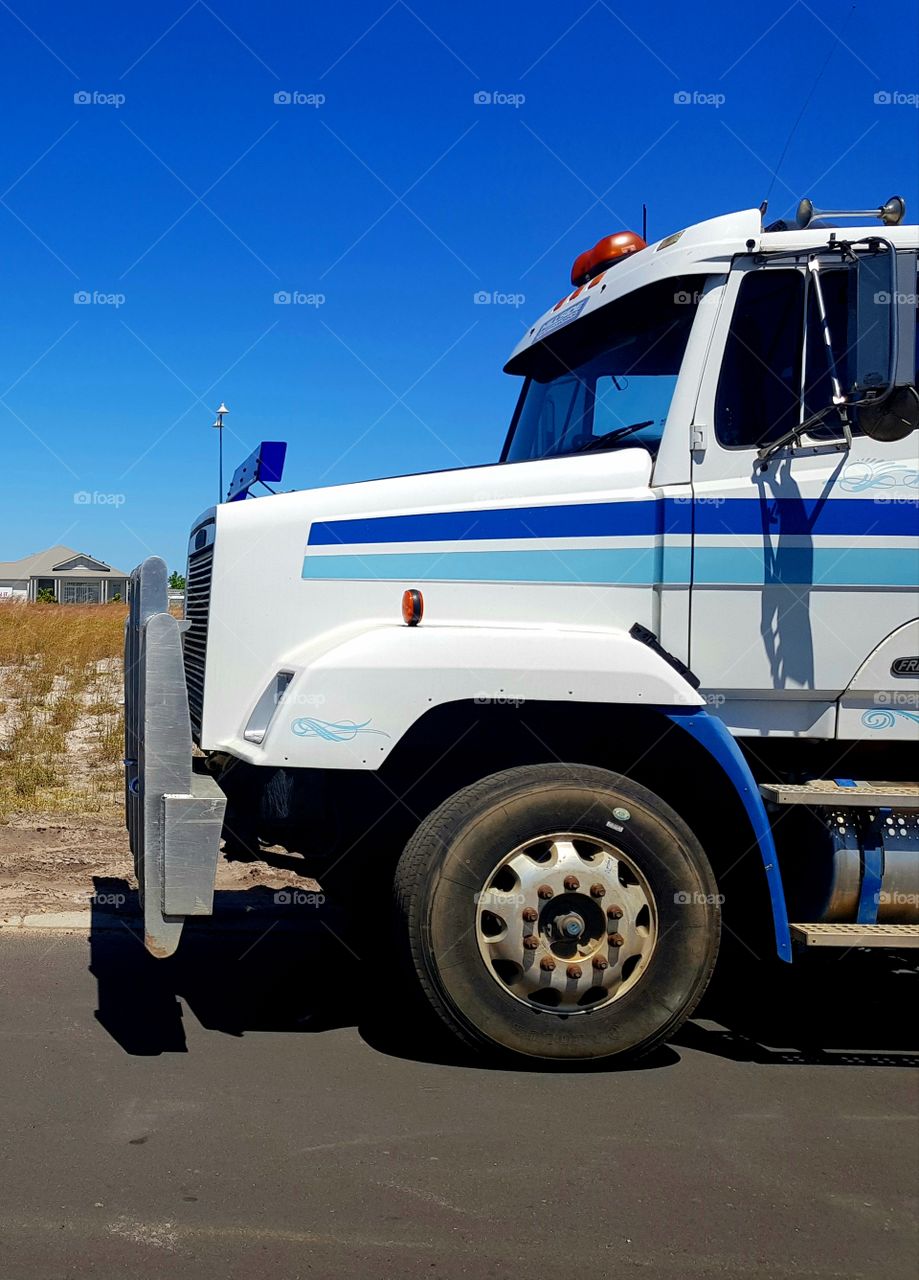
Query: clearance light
point(412, 607)
point(605, 253)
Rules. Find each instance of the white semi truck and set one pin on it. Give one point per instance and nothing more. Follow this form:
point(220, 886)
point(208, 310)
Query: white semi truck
point(649, 680)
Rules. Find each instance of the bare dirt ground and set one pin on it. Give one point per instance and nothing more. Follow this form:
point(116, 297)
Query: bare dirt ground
point(51, 864)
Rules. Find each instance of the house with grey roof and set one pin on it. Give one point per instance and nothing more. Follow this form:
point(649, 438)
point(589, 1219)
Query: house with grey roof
point(72, 576)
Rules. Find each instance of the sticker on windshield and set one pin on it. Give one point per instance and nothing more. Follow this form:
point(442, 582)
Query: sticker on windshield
point(563, 317)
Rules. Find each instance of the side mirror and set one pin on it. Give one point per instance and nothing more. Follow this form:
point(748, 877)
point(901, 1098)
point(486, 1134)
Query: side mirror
point(881, 337)
point(872, 336)
point(893, 418)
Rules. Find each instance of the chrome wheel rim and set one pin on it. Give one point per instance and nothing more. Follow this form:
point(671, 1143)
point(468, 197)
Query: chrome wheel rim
point(566, 923)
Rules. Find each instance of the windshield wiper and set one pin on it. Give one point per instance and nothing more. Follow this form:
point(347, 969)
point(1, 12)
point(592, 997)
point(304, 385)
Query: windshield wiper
point(610, 437)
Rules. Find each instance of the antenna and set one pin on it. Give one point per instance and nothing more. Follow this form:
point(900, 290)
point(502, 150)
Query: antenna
point(218, 425)
point(644, 223)
point(807, 101)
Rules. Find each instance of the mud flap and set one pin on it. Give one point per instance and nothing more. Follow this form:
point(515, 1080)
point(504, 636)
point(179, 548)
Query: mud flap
point(174, 816)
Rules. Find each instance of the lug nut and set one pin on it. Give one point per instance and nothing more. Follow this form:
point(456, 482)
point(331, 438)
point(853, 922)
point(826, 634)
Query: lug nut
point(545, 891)
point(572, 883)
point(573, 971)
point(531, 942)
point(615, 913)
point(530, 914)
point(597, 891)
point(600, 963)
point(615, 939)
point(547, 963)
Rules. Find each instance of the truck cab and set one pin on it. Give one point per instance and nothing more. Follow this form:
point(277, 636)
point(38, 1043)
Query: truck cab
point(706, 366)
point(657, 665)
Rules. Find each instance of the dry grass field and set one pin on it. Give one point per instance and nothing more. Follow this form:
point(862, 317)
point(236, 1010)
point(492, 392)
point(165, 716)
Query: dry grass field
point(61, 720)
point(61, 776)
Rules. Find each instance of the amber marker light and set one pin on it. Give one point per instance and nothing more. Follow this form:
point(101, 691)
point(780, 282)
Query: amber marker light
point(412, 607)
point(604, 254)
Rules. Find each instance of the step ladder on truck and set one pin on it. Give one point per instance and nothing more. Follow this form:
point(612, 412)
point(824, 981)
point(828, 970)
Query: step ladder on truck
point(563, 717)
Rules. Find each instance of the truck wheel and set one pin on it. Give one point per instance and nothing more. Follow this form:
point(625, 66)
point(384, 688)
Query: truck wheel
point(558, 911)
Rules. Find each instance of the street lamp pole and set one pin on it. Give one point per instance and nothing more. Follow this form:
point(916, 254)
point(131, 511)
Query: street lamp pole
point(218, 424)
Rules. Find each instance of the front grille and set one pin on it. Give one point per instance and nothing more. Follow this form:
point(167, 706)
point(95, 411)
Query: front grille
point(197, 604)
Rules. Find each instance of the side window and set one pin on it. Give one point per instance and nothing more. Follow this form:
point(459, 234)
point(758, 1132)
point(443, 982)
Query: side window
point(763, 392)
point(759, 387)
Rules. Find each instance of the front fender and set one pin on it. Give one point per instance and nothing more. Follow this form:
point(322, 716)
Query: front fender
point(716, 738)
point(350, 707)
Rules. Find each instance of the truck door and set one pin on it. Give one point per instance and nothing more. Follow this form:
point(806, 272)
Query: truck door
point(803, 566)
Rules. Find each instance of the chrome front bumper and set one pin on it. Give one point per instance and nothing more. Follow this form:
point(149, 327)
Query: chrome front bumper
point(174, 816)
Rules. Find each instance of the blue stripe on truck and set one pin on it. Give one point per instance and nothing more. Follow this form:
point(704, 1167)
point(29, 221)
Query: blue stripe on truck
point(714, 566)
point(806, 566)
point(574, 520)
point(590, 565)
point(846, 517)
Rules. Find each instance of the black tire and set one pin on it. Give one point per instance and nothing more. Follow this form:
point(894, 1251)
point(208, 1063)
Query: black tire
point(453, 852)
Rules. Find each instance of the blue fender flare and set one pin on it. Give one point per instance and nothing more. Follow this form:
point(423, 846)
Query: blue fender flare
point(711, 734)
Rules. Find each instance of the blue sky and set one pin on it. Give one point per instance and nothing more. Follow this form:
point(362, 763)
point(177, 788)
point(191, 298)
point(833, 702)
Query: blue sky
point(181, 198)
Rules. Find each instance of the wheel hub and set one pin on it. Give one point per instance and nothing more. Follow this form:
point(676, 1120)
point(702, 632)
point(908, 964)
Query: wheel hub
point(569, 898)
point(570, 927)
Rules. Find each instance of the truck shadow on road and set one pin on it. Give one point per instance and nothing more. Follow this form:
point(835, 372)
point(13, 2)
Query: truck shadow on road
point(257, 965)
point(842, 1008)
point(260, 965)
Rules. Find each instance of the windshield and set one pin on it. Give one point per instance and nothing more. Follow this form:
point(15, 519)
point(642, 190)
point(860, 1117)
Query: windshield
point(605, 382)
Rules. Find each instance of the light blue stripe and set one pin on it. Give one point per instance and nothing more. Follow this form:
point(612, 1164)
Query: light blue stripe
point(714, 566)
point(591, 565)
point(804, 566)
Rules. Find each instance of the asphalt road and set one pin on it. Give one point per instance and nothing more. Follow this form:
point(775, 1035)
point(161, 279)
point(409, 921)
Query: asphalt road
point(247, 1111)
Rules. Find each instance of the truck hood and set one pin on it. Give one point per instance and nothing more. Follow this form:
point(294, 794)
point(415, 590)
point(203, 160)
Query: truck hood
point(501, 484)
point(289, 577)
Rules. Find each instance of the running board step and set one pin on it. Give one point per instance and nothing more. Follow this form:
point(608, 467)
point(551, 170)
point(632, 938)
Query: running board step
point(856, 935)
point(844, 794)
